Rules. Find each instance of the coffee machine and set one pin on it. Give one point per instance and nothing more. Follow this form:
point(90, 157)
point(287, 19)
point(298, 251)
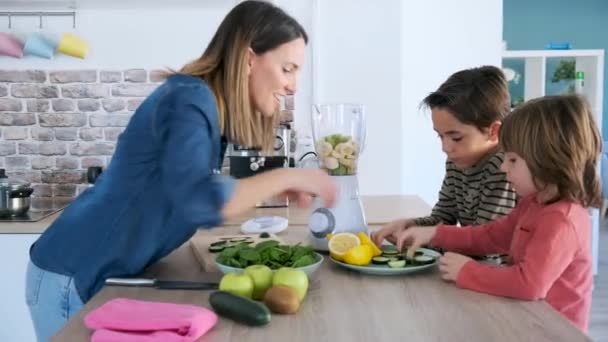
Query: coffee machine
point(248, 161)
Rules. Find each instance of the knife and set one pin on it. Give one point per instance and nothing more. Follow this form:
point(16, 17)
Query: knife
point(162, 284)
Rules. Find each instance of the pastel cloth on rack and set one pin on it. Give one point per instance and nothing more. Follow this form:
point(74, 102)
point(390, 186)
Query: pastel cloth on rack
point(37, 45)
point(10, 46)
point(72, 45)
point(129, 320)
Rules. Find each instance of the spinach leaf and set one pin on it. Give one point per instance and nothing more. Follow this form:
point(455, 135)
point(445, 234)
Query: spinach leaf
point(269, 253)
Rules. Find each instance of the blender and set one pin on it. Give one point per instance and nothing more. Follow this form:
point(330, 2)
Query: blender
point(339, 137)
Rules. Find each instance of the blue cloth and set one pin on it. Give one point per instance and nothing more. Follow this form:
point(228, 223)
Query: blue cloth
point(160, 186)
point(52, 300)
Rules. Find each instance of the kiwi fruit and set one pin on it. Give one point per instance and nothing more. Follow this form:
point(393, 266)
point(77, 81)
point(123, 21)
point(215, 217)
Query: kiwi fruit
point(282, 300)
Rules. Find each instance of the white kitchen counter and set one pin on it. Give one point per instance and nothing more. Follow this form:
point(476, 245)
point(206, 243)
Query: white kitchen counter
point(28, 227)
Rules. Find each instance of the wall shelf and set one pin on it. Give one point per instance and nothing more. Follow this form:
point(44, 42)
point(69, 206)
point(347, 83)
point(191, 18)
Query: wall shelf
point(591, 62)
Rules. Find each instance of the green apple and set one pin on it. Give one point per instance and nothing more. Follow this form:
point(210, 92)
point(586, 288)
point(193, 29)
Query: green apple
point(239, 284)
point(293, 278)
point(262, 279)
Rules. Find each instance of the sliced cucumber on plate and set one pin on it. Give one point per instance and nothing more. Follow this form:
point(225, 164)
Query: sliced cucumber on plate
point(380, 260)
point(424, 259)
point(217, 248)
point(396, 263)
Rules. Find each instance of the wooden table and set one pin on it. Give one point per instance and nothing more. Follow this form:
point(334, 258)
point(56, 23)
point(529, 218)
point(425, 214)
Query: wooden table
point(343, 305)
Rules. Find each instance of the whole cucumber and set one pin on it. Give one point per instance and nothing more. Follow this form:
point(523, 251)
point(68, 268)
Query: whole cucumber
point(239, 309)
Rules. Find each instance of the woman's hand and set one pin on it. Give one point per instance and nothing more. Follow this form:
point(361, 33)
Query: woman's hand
point(414, 238)
point(390, 231)
point(305, 184)
point(300, 185)
point(450, 265)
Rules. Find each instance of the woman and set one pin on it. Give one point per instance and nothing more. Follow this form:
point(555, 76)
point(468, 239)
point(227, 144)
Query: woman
point(162, 183)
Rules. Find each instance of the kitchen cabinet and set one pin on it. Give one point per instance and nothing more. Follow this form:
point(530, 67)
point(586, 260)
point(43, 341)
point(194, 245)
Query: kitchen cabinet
point(14, 256)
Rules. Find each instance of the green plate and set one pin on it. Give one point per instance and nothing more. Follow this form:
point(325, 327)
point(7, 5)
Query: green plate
point(386, 270)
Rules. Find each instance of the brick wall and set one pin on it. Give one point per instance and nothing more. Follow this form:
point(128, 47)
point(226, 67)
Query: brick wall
point(55, 124)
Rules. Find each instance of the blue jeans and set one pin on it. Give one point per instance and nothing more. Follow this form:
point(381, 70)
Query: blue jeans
point(52, 300)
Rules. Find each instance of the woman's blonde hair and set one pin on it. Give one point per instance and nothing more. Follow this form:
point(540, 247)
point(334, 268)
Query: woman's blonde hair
point(558, 138)
point(258, 25)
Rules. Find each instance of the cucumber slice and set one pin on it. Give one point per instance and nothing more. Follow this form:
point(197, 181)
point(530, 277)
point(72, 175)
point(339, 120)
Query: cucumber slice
point(424, 259)
point(238, 239)
point(264, 235)
point(217, 248)
point(396, 264)
point(395, 258)
point(389, 252)
point(417, 253)
point(380, 260)
point(218, 243)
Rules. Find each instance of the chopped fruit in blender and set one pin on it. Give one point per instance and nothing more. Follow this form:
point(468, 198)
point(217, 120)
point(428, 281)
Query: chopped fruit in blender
point(338, 154)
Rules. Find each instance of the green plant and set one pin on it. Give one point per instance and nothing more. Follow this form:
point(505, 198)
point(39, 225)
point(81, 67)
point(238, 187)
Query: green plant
point(564, 71)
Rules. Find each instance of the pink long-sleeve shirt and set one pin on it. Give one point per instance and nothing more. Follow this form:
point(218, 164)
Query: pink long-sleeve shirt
point(549, 256)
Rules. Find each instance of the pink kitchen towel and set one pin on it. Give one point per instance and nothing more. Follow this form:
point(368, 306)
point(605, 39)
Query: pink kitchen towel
point(129, 320)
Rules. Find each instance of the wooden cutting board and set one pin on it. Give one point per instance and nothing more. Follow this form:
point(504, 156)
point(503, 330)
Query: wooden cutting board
point(200, 245)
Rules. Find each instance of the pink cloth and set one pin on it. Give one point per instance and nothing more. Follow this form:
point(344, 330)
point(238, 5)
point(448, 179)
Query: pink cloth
point(128, 320)
point(10, 46)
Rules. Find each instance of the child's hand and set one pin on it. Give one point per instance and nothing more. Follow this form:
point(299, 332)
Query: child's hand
point(450, 265)
point(414, 238)
point(390, 231)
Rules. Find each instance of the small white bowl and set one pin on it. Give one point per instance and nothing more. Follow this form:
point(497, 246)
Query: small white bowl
point(265, 224)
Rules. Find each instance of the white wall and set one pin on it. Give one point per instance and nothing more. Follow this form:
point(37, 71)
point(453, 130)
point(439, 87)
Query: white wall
point(359, 61)
point(438, 38)
point(125, 38)
point(387, 55)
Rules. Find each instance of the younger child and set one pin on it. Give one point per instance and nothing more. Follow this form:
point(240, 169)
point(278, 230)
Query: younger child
point(467, 111)
point(551, 146)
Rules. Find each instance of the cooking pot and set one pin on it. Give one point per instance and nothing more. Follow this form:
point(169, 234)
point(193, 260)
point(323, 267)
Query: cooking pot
point(14, 196)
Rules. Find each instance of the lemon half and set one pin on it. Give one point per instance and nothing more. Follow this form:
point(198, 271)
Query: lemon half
point(340, 243)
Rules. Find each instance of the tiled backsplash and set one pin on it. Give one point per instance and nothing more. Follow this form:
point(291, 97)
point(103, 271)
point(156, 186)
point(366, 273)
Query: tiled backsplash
point(55, 124)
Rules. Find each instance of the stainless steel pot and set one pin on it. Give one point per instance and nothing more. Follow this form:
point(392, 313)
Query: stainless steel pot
point(14, 196)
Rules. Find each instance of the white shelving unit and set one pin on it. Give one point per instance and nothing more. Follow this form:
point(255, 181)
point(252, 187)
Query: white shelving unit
point(591, 62)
